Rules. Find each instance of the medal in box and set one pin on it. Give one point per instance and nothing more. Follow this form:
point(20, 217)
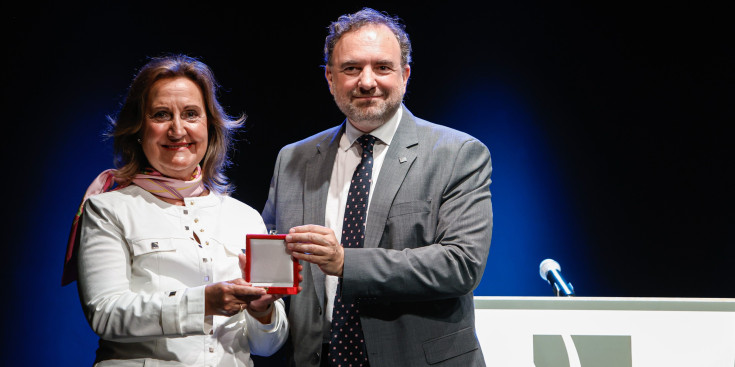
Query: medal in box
point(269, 265)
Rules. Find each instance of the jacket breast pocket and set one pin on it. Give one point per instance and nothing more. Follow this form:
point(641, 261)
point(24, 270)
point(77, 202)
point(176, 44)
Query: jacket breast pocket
point(148, 246)
point(231, 249)
point(409, 207)
point(409, 225)
point(162, 263)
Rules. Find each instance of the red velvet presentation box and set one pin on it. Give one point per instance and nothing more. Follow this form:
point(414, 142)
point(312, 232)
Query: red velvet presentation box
point(268, 264)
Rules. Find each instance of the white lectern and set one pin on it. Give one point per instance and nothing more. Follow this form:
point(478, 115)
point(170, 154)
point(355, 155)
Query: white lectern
point(606, 332)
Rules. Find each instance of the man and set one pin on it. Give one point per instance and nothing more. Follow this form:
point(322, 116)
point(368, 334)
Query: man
point(394, 288)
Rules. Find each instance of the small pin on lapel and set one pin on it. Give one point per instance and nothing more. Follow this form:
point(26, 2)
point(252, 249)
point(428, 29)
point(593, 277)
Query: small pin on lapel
point(402, 160)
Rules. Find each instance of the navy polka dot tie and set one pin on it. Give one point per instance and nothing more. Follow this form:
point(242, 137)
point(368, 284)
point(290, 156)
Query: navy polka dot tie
point(347, 343)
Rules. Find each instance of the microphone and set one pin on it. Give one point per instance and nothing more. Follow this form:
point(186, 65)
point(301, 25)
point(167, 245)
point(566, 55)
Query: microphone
point(551, 272)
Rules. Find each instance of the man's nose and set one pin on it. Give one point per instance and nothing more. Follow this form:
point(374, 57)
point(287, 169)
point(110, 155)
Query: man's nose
point(367, 79)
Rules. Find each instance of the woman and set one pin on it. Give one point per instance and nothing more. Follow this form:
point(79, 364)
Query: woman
point(159, 258)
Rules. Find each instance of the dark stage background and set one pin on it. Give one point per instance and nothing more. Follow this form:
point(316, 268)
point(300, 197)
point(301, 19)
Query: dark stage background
point(607, 125)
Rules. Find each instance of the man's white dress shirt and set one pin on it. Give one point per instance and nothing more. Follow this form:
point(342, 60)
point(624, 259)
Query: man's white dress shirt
point(348, 158)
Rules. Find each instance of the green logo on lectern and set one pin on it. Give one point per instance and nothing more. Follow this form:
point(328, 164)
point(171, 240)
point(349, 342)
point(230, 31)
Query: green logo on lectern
point(582, 351)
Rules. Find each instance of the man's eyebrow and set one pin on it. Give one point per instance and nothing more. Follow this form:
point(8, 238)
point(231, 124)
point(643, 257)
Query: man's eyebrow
point(385, 62)
point(348, 63)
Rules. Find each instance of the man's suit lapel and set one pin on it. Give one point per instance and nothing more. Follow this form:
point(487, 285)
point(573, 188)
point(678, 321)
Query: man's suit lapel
point(318, 172)
point(398, 160)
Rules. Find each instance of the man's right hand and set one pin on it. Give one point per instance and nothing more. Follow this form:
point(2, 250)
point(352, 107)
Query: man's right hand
point(317, 245)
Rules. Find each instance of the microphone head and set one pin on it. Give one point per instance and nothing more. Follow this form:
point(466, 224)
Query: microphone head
point(546, 266)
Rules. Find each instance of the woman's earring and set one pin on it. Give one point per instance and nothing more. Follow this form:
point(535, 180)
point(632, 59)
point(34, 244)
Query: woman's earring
point(140, 141)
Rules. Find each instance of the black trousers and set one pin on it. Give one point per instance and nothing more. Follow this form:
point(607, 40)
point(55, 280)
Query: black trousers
point(325, 353)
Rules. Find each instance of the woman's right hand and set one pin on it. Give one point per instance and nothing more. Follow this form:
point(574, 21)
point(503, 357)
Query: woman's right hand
point(229, 297)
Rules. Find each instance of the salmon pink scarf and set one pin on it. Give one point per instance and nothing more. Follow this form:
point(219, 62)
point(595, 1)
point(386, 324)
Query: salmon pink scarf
point(150, 180)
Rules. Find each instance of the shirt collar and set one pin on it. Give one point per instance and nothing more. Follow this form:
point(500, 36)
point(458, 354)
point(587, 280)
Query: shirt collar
point(384, 132)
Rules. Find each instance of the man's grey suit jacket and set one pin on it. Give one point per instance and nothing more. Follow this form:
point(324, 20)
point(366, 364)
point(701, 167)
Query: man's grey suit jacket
point(427, 241)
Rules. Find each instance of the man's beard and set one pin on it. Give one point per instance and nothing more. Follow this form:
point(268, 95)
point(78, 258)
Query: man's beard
point(373, 113)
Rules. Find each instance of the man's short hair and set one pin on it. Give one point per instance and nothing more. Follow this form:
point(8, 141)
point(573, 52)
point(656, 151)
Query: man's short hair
point(366, 16)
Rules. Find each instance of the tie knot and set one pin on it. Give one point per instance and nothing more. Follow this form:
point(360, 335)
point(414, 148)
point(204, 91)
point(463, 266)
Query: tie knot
point(367, 141)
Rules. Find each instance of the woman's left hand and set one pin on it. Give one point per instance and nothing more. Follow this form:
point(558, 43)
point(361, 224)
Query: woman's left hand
point(262, 308)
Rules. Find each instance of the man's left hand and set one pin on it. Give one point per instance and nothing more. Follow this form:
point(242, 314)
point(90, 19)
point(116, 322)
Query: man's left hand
point(317, 245)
